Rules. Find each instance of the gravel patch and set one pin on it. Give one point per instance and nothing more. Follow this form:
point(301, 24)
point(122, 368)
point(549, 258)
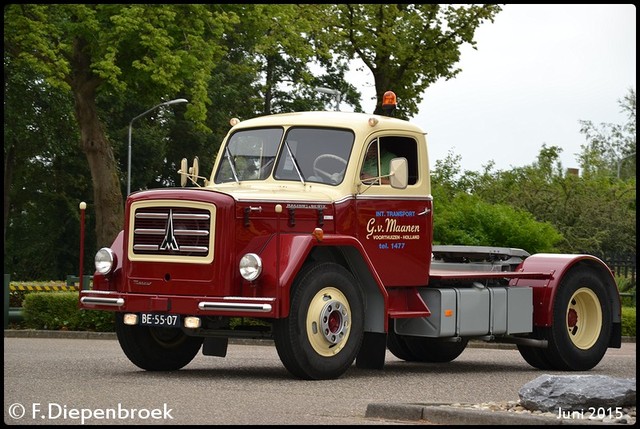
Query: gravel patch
point(608, 415)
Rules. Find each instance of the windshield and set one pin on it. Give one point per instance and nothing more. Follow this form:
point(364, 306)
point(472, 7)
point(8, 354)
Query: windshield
point(305, 154)
point(249, 155)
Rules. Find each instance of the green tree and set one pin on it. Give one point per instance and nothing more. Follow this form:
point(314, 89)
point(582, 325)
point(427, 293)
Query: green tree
point(594, 213)
point(467, 220)
point(154, 51)
point(611, 148)
point(269, 66)
point(464, 215)
point(286, 46)
point(407, 47)
point(45, 178)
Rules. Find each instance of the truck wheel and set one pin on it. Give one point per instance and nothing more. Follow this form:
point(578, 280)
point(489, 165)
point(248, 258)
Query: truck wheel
point(535, 356)
point(421, 349)
point(582, 318)
point(323, 333)
point(156, 349)
point(398, 346)
point(435, 349)
point(579, 336)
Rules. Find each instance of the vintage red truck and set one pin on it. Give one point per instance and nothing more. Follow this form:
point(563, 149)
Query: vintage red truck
point(338, 265)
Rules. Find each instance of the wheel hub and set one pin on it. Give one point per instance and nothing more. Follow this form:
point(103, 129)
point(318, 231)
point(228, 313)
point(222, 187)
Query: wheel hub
point(572, 319)
point(334, 321)
point(584, 318)
point(328, 322)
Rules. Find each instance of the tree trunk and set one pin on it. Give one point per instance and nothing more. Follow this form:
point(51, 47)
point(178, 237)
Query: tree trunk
point(107, 196)
point(9, 161)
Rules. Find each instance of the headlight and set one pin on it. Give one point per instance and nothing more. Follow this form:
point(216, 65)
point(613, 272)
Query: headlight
point(105, 260)
point(250, 266)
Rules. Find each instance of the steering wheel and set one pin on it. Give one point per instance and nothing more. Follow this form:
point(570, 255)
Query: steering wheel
point(333, 177)
point(266, 168)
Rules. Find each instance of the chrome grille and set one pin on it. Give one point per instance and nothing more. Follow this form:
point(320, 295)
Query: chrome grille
point(165, 231)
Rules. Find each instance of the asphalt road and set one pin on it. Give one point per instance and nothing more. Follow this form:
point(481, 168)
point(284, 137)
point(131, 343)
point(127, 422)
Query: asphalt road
point(90, 381)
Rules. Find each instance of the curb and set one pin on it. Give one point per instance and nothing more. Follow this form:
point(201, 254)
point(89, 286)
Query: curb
point(87, 335)
point(444, 414)
point(33, 333)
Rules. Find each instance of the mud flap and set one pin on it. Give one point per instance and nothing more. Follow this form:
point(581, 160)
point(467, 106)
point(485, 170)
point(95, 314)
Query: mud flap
point(372, 351)
point(213, 346)
point(615, 341)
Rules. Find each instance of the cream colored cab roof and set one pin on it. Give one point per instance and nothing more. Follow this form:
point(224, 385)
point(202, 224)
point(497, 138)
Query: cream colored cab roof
point(359, 123)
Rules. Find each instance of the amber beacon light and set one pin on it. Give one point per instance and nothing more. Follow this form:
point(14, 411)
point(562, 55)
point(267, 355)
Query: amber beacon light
point(389, 102)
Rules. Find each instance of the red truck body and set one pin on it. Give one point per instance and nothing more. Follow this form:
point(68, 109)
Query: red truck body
point(336, 266)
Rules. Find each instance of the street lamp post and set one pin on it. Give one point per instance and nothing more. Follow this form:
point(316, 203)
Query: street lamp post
point(337, 94)
point(166, 103)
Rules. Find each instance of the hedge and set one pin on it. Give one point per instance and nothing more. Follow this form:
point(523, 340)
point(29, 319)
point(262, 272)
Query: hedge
point(59, 311)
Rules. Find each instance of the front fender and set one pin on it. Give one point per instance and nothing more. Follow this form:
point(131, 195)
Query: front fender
point(112, 281)
point(293, 250)
point(544, 291)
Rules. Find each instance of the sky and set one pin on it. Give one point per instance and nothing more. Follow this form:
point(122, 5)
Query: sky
point(537, 71)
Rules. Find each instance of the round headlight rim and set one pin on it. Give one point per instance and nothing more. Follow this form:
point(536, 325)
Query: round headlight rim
point(255, 263)
point(111, 260)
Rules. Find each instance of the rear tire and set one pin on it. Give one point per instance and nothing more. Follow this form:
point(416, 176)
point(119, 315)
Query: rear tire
point(422, 349)
point(535, 356)
point(398, 346)
point(581, 325)
point(435, 349)
point(156, 349)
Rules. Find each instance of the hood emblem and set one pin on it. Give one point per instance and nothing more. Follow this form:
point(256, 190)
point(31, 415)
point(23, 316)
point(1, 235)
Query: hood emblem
point(169, 243)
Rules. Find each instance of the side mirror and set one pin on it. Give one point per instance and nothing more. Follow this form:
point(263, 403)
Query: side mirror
point(190, 173)
point(399, 173)
point(183, 172)
point(195, 170)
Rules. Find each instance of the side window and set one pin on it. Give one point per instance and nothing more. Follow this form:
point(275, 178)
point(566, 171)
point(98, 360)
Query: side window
point(379, 154)
point(370, 166)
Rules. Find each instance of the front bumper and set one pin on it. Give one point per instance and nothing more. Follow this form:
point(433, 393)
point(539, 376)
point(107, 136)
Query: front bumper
point(179, 304)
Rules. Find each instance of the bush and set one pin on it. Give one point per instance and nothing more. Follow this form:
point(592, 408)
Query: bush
point(20, 289)
point(468, 220)
point(628, 322)
point(625, 283)
point(59, 311)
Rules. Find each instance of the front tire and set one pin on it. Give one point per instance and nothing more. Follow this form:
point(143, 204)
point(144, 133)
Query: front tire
point(156, 349)
point(322, 335)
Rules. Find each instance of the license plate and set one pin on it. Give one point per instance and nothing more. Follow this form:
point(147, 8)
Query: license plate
point(163, 320)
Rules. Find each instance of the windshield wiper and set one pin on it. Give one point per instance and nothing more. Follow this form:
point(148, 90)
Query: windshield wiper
point(232, 164)
point(295, 161)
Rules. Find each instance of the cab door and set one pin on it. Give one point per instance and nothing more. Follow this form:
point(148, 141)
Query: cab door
point(395, 225)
